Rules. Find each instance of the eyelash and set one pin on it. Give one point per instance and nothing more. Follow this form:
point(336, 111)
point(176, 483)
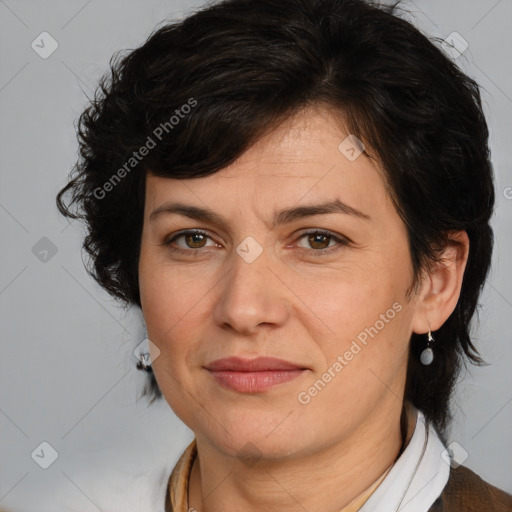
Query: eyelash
point(321, 252)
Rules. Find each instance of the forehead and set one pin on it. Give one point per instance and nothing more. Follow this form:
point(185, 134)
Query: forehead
point(303, 160)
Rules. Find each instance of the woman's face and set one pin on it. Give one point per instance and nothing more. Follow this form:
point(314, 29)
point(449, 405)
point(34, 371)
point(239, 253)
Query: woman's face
point(258, 281)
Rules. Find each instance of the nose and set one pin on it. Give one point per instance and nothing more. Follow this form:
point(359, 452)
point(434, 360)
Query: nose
point(251, 294)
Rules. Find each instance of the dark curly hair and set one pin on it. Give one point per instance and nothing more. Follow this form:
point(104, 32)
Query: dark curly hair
point(200, 91)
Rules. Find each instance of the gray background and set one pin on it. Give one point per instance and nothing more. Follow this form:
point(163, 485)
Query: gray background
point(67, 370)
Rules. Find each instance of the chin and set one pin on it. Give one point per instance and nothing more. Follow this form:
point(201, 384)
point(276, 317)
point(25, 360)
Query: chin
point(251, 444)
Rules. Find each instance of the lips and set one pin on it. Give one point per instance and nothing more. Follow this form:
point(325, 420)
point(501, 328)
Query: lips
point(260, 364)
point(253, 375)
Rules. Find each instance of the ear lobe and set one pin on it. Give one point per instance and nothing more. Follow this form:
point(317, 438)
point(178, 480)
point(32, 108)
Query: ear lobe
point(441, 288)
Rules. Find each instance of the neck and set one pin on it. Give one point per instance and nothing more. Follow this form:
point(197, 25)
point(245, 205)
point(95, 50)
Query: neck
point(328, 479)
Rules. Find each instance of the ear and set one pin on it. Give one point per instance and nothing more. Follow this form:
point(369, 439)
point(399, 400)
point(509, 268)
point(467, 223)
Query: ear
point(440, 290)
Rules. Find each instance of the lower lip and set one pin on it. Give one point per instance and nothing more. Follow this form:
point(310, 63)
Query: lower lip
point(254, 382)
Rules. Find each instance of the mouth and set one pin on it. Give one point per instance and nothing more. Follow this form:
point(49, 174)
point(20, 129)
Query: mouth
point(253, 375)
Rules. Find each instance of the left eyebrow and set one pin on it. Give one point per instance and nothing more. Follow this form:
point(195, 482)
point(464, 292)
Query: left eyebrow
point(284, 216)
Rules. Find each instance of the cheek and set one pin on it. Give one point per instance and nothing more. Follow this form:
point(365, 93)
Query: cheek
point(172, 312)
point(348, 303)
point(176, 309)
point(368, 328)
point(167, 291)
point(364, 367)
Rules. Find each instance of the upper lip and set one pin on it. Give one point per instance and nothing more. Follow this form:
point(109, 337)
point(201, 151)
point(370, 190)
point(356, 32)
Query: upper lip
point(258, 364)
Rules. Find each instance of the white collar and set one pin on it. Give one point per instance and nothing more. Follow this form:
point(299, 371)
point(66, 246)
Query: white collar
point(417, 478)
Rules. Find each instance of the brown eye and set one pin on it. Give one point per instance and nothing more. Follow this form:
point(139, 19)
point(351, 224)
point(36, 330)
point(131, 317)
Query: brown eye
point(193, 240)
point(318, 242)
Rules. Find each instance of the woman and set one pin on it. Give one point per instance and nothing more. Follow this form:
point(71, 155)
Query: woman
point(297, 195)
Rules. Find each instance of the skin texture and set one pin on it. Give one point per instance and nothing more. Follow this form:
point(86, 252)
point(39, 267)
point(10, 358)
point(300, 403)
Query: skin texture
point(291, 304)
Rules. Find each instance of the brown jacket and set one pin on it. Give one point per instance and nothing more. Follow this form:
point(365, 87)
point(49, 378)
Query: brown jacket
point(465, 491)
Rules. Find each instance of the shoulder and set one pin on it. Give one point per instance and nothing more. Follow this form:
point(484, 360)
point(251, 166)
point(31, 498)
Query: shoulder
point(468, 492)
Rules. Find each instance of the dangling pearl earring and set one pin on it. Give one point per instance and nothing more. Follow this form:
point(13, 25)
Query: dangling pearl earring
point(427, 356)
